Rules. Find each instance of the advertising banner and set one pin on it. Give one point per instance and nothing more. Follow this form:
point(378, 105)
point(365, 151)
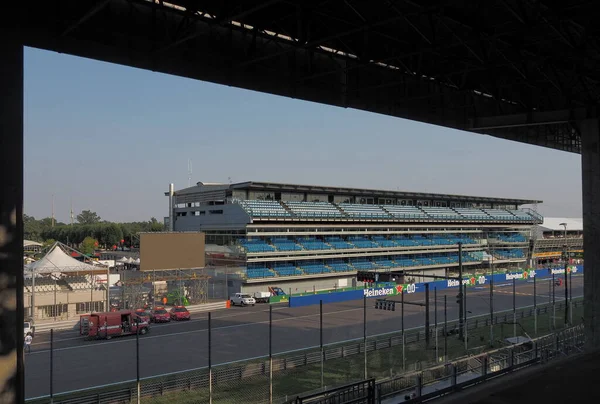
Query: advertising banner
point(396, 290)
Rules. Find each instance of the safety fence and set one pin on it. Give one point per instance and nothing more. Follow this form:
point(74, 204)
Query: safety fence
point(279, 377)
point(450, 377)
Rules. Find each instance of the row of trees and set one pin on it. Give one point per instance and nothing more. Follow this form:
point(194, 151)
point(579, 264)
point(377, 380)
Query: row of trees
point(89, 225)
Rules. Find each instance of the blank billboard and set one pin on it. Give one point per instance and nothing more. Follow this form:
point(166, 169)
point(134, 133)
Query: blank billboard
point(162, 251)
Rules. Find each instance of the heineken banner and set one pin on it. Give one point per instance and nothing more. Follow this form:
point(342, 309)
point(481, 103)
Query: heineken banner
point(395, 290)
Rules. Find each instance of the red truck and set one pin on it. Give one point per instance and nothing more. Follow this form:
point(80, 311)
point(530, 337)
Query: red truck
point(112, 324)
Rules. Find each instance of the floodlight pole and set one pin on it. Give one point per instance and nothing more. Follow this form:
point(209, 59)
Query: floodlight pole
point(566, 265)
point(460, 294)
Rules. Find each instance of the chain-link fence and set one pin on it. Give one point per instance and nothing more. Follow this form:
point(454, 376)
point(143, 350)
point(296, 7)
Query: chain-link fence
point(304, 373)
point(316, 356)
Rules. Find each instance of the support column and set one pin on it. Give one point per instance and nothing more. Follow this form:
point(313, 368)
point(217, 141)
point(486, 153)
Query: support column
point(590, 171)
point(11, 212)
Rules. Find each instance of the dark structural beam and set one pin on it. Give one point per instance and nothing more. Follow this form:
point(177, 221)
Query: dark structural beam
point(518, 70)
point(11, 213)
point(590, 171)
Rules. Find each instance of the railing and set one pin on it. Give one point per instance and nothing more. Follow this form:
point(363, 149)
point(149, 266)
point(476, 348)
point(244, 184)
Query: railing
point(256, 370)
point(448, 378)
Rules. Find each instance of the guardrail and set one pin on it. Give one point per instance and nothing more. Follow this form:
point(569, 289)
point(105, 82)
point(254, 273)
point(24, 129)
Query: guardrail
point(442, 380)
point(249, 369)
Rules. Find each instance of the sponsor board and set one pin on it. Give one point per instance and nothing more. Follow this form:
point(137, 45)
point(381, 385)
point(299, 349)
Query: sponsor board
point(393, 291)
point(472, 281)
point(557, 271)
point(520, 275)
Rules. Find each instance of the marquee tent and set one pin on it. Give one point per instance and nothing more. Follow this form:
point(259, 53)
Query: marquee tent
point(57, 260)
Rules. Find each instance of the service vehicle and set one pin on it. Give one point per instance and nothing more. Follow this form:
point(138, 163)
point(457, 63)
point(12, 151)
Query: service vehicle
point(144, 314)
point(262, 297)
point(28, 329)
point(160, 315)
point(111, 324)
point(242, 299)
point(179, 313)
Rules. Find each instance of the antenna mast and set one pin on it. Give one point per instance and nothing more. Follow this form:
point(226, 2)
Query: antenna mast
point(52, 210)
point(189, 173)
point(71, 211)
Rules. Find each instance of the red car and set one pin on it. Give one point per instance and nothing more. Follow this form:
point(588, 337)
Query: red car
point(179, 313)
point(144, 314)
point(160, 315)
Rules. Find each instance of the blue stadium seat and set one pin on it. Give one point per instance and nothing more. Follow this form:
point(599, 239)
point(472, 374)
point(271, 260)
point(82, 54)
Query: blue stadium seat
point(319, 210)
point(269, 209)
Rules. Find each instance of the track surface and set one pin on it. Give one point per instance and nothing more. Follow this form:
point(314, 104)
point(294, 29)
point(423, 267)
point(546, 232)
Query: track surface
point(242, 333)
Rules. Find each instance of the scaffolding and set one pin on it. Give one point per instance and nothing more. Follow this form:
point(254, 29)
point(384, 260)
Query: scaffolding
point(176, 286)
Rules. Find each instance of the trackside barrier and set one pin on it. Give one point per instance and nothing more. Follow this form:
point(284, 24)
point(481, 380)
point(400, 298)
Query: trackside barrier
point(472, 281)
point(251, 371)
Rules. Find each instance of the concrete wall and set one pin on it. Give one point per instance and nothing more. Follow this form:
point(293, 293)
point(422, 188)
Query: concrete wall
point(301, 285)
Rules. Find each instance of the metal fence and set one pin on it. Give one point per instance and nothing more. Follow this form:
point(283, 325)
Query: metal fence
point(278, 377)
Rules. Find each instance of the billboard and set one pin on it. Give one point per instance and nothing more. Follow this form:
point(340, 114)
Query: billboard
point(164, 251)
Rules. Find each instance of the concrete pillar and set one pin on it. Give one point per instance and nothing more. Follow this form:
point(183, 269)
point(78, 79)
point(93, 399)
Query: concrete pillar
point(11, 211)
point(590, 171)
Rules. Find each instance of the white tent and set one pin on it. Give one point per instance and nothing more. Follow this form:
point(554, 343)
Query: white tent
point(56, 260)
point(136, 262)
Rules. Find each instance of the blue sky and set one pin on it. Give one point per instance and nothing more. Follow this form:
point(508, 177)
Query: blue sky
point(112, 138)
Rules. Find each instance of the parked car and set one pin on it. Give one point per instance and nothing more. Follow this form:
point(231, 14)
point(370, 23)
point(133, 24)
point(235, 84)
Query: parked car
point(179, 313)
point(160, 315)
point(242, 299)
point(144, 314)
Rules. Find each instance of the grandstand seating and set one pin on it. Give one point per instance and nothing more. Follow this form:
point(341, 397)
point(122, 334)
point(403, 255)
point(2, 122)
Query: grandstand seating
point(265, 270)
point(313, 269)
point(259, 273)
point(326, 210)
point(441, 213)
point(340, 267)
point(405, 212)
point(362, 242)
point(500, 214)
point(337, 243)
point(340, 245)
point(287, 270)
point(509, 237)
point(472, 214)
point(513, 253)
point(361, 211)
point(271, 209)
point(313, 244)
point(256, 246)
point(284, 244)
point(314, 209)
point(521, 214)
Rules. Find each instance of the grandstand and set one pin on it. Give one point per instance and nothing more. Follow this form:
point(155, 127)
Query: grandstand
point(311, 237)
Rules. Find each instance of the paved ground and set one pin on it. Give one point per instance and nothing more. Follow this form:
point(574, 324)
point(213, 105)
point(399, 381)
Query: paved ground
point(241, 333)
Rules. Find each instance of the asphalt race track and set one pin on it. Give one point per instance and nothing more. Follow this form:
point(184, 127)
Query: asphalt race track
point(242, 333)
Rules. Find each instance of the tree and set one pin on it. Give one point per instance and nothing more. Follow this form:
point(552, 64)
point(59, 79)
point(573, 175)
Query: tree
point(88, 217)
point(88, 245)
point(155, 225)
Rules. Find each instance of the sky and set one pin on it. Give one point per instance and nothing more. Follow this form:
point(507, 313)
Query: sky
point(111, 138)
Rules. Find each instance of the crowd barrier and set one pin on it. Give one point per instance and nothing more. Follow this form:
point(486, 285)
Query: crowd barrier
point(469, 281)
